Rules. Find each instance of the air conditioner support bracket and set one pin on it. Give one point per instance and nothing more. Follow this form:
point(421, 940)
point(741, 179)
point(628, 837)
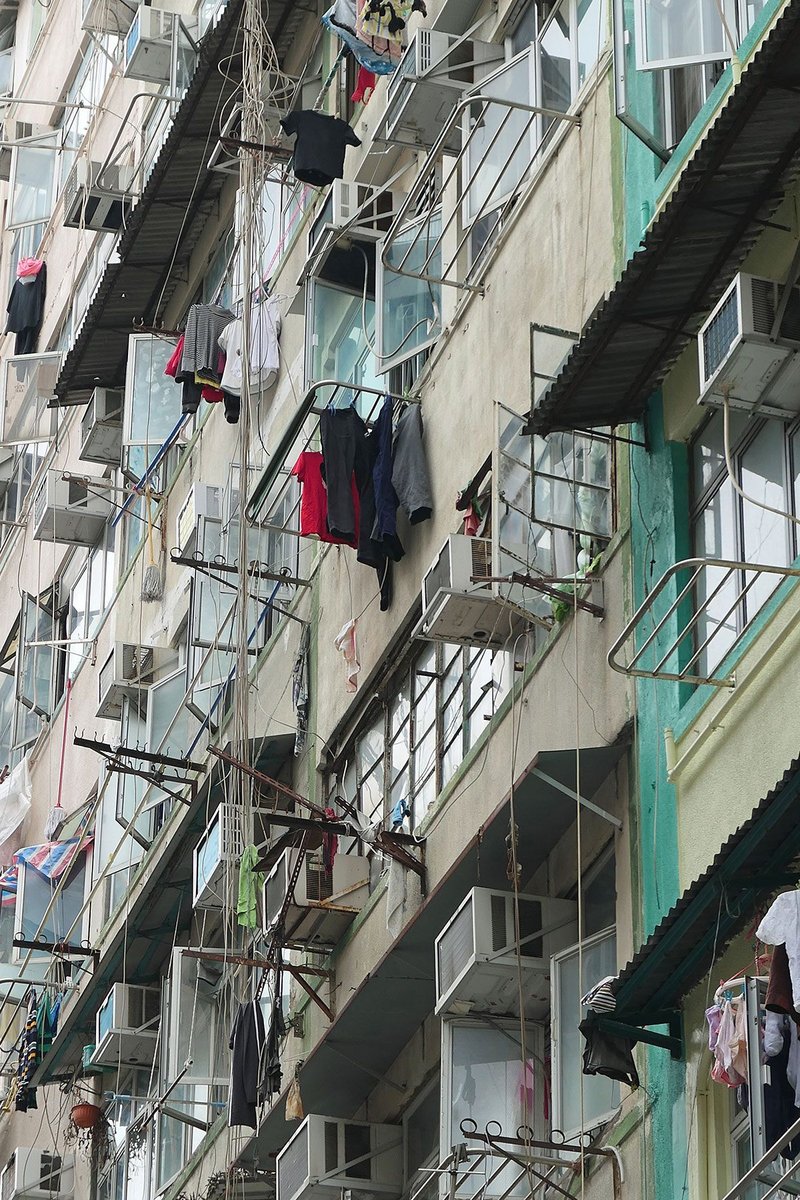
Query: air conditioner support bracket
point(65, 948)
point(385, 841)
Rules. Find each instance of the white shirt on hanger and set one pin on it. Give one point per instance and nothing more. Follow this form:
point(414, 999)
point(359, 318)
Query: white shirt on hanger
point(265, 327)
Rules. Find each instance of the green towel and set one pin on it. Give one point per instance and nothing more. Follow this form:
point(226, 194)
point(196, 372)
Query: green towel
point(250, 881)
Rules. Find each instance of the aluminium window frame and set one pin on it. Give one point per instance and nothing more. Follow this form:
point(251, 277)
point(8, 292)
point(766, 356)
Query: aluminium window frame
point(26, 877)
point(40, 141)
point(645, 63)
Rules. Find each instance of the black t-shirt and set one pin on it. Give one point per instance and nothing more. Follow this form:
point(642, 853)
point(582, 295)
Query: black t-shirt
point(319, 149)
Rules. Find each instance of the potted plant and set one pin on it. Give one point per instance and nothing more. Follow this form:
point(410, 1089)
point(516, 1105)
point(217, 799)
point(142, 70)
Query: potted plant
point(90, 1132)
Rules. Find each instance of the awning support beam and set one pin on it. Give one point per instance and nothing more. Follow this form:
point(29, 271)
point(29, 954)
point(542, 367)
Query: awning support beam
point(672, 1042)
point(567, 791)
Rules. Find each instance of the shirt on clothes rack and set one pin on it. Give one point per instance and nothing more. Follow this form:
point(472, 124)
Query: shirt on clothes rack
point(26, 309)
point(781, 927)
point(265, 328)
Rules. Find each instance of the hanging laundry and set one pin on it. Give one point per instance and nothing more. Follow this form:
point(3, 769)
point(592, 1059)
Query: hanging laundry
point(387, 18)
point(15, 799)
point(265, 328)
point(330, 843)
point(300, 690)
point(384, 527)
point(730, 1046)
point(247, 1043)
point(26, 307)
point(202, 364)
point(250, 882)
point(314, 500)
point(270, 1075)
point(410, 474)
point(779, 998)
point(28, 267)
point(319, 149)
point(608, 1054)
point(374, 551)
point(376, 55)
point(346, 642)
point(365, 86)
point(342, 432)
point(781, 927)
point(27, 1060)
point(601, 998)
point(780, 1102)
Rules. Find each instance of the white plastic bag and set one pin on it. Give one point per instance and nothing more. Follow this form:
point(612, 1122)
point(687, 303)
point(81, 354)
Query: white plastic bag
point(15, 799)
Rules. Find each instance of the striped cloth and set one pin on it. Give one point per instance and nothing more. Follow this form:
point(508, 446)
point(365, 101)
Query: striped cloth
point(601, 998)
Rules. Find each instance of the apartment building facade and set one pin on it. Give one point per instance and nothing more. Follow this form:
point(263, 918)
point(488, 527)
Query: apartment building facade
point(462, 816)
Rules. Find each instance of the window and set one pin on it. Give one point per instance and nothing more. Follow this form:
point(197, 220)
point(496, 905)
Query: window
point(87, 88)
point(409, 307)
point(152, 401)
point(35, 893)
point(408, 749)
point(486, 1078)
point(128, 1175)
point(690, 31)
point(88, 587)
point(192, 1019)
point(342, 324)
point(580, 1102)
point(766, 460)
point(32, 181)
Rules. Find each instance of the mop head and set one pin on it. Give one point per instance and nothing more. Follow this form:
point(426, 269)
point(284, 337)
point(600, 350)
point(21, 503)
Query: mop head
point(152, 584)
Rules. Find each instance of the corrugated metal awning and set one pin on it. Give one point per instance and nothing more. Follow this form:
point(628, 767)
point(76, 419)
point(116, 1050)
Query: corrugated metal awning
point(166, 223)
point(752, 864)
point(734, 179)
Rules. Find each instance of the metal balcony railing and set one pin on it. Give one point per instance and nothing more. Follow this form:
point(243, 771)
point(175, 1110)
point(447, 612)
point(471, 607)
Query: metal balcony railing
point(779, 1180)
point(450, 218)
point(693, 619)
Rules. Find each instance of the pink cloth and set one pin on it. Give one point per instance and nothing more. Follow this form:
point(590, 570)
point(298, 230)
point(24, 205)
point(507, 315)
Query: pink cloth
point(28, 266)
point(365, 86)
point(346, 642)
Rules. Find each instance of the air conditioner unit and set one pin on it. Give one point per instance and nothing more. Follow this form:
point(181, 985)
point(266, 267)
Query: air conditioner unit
point(34, 1174)
point(342, 203)
point(29, 386)
point(92, 201)
point(71, 511)
point(429, 81)
point(127, 672)
point(107, 16)
point(127, 1026)
point(148, 45)
point(221, 845)
point(203, 500)
point(324, 903)
point(313, 1165)
point(455, 608)
point(738, 357)
point(477, 966)
point(101, 428)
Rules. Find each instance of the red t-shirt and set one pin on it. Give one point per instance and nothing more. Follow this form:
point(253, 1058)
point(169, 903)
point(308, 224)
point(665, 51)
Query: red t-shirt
point(314, 499)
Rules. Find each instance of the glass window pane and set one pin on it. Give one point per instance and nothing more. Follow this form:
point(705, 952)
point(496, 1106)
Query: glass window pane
point(556, 62)
point(339, 349)
point(500, 140)
point(766, 535)
point(684, 31)
point(37, 894)
point(715, 537)
point(32, 197)
point(591, 35)
point(600, 1095)
point(411, 309)
point(152, 399)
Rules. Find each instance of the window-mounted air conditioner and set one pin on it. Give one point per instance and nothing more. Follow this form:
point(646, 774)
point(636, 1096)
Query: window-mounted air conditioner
point(457, 607)
point(72, 511)
point(108, 16)
point(34, 1174)
point(101, 428)
point(92, 201)
point(127, 1026)
point(429, 81)
point(326, 1156)
point(203, 500)
point(127, 672)
point(324, 903)
point(148, 45)
point(477, 967)
point(221, 845)
point(738, 356)
point(373, 205)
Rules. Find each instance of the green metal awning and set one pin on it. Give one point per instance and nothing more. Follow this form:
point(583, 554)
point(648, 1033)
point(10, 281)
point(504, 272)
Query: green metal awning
point(754, 862)
point(733, 182)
